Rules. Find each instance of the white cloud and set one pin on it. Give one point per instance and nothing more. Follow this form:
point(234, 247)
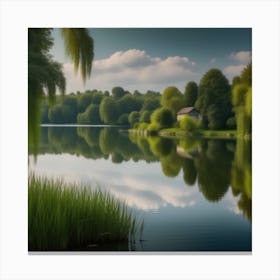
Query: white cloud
point(233, 70)
point(134, 69)
point(124, 59)
point(241, 59)
point(242, 56)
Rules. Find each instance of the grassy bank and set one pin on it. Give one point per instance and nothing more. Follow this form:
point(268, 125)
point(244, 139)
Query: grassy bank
point(221, 134)
point(178, 132)
point(70, 217)
point(217, 134)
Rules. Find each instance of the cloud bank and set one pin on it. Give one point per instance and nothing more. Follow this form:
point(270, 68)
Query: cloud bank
point(135, 69)
point(240, 59)
point(242, 56)
point(234, 70)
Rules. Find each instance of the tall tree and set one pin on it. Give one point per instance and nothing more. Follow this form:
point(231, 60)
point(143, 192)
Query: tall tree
point(118, 92)
point(109, 112)
point(214, 100)
point(172, 99)
point(190, 94)
point(242, 101)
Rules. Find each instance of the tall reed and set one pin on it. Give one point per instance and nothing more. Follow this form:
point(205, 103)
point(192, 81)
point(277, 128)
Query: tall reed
point(64, 216)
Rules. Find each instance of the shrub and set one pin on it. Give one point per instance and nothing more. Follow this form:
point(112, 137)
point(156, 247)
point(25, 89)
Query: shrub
point(153, 127)
point(123, 119)
point(133, 117)
point(163, 117)
point(143, 126)
point(188, 123)
point(145, 116)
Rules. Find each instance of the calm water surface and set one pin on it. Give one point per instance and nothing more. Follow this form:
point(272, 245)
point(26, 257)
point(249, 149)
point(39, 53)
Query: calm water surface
point(194, 195)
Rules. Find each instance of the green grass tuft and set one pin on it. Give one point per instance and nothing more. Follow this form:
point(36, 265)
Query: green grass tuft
point(72, 217)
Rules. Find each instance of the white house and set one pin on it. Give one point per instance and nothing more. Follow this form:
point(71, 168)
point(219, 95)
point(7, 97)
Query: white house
point(191, 111)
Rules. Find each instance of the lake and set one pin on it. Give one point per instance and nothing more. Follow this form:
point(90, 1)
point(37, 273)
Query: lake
point(193, 194)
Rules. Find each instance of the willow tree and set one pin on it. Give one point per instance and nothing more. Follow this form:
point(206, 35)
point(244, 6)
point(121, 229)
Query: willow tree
point(45, 75)
point(242, 102)
point(241, 174)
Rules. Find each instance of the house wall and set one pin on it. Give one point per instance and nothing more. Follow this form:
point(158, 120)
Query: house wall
point(193, 114)
point(179, 117)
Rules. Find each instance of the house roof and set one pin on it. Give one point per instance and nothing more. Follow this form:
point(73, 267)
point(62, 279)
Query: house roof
point(185, 110)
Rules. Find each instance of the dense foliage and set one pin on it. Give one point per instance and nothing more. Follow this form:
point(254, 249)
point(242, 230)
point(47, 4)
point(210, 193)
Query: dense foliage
point(214, 99)
point(190, 94)
point(172, 99)
point(189, 124)
point(97, 107)
point(242, 101)
point(220, 106)
point(45, 75)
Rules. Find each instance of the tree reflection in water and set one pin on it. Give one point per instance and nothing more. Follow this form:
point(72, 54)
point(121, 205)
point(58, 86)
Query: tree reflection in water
point(214, 165)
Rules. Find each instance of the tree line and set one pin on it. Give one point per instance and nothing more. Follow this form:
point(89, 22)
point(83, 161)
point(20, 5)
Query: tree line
point(97, 107)
point(220, 104)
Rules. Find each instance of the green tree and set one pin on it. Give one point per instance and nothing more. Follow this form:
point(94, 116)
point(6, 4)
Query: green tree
point(190, 94)
point(214, 100)
point(70, 108)
point(246, 75)
point(118, 92)
point(172, 99)
point(189, 123)
point(108, 110)
point(45, 75)
point(84, 101)
point(55, 114)
point(145, 116)
point(151, 104)
point(235, 81)
point(163, 117)
point(128, 103)
point(90, 116)
point(123, 119)
point(242, 102)
point(133, 118)
point(97, 98)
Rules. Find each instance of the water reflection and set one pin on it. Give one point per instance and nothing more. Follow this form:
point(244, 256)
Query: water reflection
point(216, 168)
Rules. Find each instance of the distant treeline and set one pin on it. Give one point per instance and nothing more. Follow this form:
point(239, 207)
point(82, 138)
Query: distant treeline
point(97, 107)
point(221, 105)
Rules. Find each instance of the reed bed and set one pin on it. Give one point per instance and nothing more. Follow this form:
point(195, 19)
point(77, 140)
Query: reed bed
point(64, 216)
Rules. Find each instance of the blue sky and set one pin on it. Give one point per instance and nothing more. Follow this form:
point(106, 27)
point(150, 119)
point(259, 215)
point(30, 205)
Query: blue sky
point(154, 58)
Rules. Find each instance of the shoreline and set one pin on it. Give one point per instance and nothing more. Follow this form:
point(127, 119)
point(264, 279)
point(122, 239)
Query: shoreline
point(178, 133)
